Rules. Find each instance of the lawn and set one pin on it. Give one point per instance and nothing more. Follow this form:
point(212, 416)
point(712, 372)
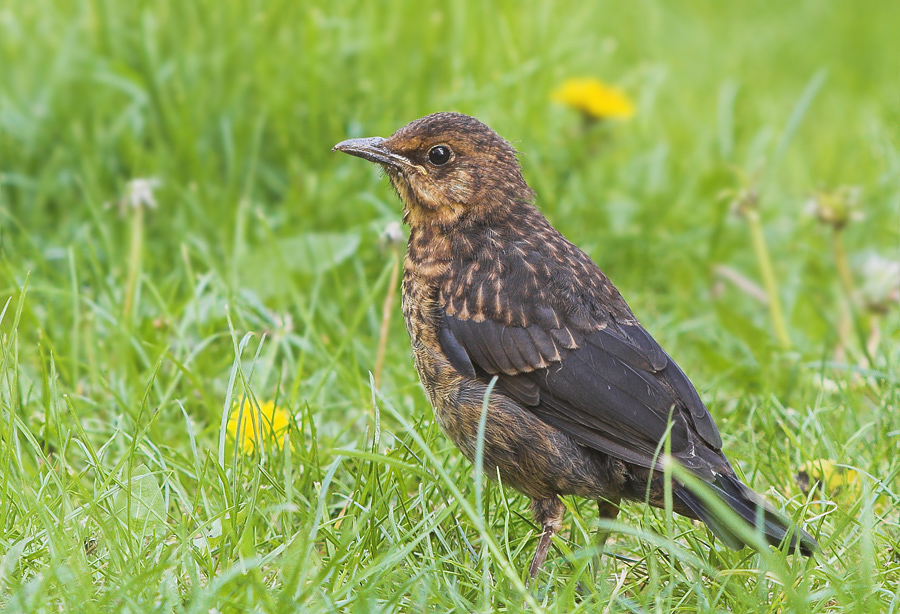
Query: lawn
point(178, 241)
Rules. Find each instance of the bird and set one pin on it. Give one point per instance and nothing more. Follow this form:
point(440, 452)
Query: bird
point(583, 396)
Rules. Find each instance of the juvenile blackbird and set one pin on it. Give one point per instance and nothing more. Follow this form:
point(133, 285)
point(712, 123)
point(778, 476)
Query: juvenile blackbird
point(584, 394)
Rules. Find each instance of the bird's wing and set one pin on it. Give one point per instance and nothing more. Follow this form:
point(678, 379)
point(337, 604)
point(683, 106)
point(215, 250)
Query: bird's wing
point(612, 388)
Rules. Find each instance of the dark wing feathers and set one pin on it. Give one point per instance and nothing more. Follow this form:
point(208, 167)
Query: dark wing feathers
point(633, 345)
point(522, 389)
point(544, 344)
point(613, 389)
point(456, 353)
point(596, 371)
point(614, 400)
point(703, 422)
point(515, 341)
point(489, 348)
point(553, 414)
point(566, 338)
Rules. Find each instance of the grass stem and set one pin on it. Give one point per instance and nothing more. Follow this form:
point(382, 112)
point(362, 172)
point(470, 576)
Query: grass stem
point(761, 251)
point(386, 310)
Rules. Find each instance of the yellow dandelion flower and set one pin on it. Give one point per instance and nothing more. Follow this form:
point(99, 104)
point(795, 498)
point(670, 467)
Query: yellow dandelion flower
point(595, 99)
point(266, 425)
point(826, 474)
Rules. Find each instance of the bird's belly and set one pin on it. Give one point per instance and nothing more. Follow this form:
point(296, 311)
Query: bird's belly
point(520, 449)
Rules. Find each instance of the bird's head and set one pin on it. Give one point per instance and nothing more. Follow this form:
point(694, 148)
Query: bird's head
point(447, 167)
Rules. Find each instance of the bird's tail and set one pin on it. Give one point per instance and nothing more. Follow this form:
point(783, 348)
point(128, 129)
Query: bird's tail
point(752, 508)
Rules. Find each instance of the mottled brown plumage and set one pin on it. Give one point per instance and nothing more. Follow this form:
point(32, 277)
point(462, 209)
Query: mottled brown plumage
point(584, 394)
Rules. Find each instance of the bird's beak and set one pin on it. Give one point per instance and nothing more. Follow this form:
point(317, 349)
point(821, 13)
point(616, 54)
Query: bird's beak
point(373, 150)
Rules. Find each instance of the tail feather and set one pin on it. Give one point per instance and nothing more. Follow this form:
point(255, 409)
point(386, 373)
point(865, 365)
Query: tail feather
point(747, 505)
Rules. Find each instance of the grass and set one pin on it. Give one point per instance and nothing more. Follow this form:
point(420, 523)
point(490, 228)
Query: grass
point(128, 333)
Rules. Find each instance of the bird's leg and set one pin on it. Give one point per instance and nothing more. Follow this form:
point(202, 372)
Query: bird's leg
point(549, 514)
point(609, 509)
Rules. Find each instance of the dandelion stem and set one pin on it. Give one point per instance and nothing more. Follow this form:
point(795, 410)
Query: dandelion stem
point(768, 275)
point(386, 311)
point(135, 253)
point(849, 310)
point(840, 259)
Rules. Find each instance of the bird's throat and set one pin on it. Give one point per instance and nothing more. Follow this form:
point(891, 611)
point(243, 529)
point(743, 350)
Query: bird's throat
point(417, 213)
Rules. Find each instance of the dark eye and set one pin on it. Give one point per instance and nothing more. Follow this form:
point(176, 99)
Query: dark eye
point(439, 155)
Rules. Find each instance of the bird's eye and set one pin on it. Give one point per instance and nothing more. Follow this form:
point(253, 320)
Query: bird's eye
point(439, 155)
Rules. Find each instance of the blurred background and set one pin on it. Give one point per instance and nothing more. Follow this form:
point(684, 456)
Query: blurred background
point(167, 188)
